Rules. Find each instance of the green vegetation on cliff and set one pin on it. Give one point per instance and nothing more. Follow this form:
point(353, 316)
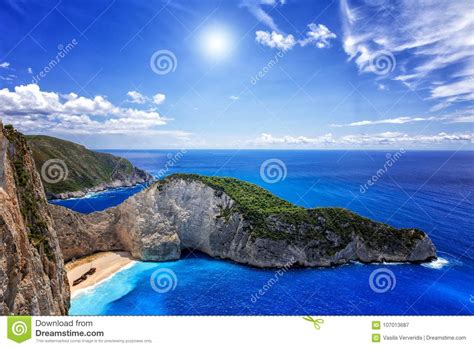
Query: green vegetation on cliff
point(253, 200)
point(30, 200)
point(85, 168)
point(274, 218)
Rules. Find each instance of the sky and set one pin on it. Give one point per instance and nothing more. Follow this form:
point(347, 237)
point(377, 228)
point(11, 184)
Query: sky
point(257, 74)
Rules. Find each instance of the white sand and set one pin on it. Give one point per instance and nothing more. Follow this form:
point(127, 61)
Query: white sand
point(106, 264)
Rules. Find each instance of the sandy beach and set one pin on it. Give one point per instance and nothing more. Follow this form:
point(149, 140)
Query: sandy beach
point(106, 264)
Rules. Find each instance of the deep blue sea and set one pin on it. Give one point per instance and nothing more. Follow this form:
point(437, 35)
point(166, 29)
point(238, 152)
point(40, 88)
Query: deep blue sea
point(431, 190)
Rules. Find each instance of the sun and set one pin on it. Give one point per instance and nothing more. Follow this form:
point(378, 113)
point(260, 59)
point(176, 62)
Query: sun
point(216, 42)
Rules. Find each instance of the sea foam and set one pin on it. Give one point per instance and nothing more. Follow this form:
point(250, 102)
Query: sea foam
point(436, 264)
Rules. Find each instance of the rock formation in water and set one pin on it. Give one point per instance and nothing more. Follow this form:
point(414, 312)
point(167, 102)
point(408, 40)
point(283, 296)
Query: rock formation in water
point(231, 219)
point(222, 217)
point(32, 276)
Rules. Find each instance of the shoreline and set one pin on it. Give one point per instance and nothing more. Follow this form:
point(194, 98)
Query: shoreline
point(107, 264)
point(92, 190)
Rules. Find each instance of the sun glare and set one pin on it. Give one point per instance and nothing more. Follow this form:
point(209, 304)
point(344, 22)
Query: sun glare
point(216, 43)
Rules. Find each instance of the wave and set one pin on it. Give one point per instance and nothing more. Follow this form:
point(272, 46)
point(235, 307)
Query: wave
point(439, 263)
point(88, 290)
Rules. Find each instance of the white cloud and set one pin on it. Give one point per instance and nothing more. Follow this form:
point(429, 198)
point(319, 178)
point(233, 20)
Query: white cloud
point(4, 65)
point(29, 107)
point(464, 116)
point(268, 139)
point(463, 119)
point(318, 35)
point(430, 40)
point(136, 97)
point(255, 8)
point(396, 120)
point(30, 71)
point(234, 97)
point(275, 40)
point(449, 93)
point(379, 139)
point(159, 98)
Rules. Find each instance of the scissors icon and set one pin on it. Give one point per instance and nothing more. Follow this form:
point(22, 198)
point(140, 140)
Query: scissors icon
point(316, 322)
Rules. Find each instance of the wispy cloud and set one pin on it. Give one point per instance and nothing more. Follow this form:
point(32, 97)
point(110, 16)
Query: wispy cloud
point(432, 42)
point(397, 120)
point(256, 9)
point(378, 139)
point(464, 116)
point(463, 119)
point(317, 35)
point(4, 65)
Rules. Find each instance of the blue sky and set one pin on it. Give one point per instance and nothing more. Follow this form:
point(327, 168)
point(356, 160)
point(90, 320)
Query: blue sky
point(242, 74)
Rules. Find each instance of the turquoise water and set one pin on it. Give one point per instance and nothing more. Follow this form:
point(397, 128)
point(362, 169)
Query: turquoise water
point(428, 190)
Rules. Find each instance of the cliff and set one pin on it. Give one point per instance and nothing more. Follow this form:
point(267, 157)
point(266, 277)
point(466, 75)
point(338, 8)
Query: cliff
point(222, 217)
point(232, 219)
point(32, 277)
point(73, 170)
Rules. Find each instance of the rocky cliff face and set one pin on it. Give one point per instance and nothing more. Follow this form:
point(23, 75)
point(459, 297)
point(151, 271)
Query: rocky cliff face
point(32, 277)
point(191, 212)
point(222, 217)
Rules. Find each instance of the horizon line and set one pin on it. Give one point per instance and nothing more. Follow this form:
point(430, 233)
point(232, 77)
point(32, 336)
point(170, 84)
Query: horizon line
point(278, 149)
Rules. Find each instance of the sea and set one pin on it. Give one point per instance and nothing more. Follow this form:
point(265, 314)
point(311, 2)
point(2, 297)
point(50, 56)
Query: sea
point(429, 190)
